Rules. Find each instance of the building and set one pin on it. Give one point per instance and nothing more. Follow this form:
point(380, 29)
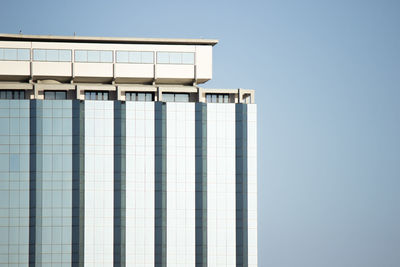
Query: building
point(111, 154)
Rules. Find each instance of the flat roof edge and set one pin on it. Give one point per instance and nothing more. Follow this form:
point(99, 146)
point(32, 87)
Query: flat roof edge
point(90, 39)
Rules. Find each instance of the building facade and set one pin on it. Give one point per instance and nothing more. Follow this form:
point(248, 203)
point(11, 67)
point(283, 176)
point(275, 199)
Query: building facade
point(111, 154)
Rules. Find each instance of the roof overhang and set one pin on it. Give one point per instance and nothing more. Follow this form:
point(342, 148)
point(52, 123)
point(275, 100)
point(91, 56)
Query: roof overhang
point(115, 40)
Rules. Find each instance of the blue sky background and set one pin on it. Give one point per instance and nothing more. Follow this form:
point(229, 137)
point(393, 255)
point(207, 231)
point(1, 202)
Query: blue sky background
point(327, 80)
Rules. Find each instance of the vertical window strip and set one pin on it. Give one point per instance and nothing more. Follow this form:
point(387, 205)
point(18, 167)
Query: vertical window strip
point(201, 184)
point(160, 195)
point(78, 164)
point(119, 183)
point(32, 182)
point(241, 186)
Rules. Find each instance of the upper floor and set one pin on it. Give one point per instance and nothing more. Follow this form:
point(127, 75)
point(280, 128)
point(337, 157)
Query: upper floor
point(73, 59)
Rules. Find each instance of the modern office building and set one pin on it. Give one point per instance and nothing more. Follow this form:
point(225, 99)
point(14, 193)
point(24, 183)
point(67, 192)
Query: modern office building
point(111, 154)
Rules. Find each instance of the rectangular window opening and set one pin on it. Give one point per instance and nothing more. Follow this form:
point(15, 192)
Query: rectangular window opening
point(135, 57)
point(217, 98)
point(175, 97)
point(55, 95)
point(139, 96)
point(185, 58)
point(96, 95)
point(12, 94)
point(52, 55)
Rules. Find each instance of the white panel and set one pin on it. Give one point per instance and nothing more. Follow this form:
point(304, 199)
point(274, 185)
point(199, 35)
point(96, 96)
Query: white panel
point(51, 69)
point(252, 183)
point(93, 69)
point(204, 62)
point(175, 71)
point(139, 183)
point(180, 184)
point(99, 183)
point(134, 70)
point(221, 179)
point(14, 68)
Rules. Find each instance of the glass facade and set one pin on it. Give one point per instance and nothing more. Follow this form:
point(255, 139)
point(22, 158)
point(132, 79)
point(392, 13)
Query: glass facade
point(93, 56)
point(135, 57)
point(175, 58)
point(15, 54)
point(52, 55)
point(14, 182)
point(51, 153)
point(134, 183)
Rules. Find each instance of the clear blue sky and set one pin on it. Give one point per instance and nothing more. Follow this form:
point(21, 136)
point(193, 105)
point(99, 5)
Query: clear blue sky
point(327, 80)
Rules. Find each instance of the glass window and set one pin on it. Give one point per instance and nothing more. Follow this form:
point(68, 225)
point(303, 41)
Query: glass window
point(20, 94)
point(65, 55)
point(106, 56)
point(80, 56)
point(226, 99)
point(12, 94)
point(187, 58)
point(175, 58)
point(96, 95)
point(138, 96)
point(24, 54)
point(147, 57)
point(171, 97)
point(149, 97)
point(93, 56)
point(10, 54)
point(61, 95)
point(49, 95)
point(217, 98)
point(141, 97)
point(168, 97)
point(135, 57)
point(1, 53)
point(181, 97)
point(122, 57)
point(52, 55)
point(39, 55)
point(163, 57)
